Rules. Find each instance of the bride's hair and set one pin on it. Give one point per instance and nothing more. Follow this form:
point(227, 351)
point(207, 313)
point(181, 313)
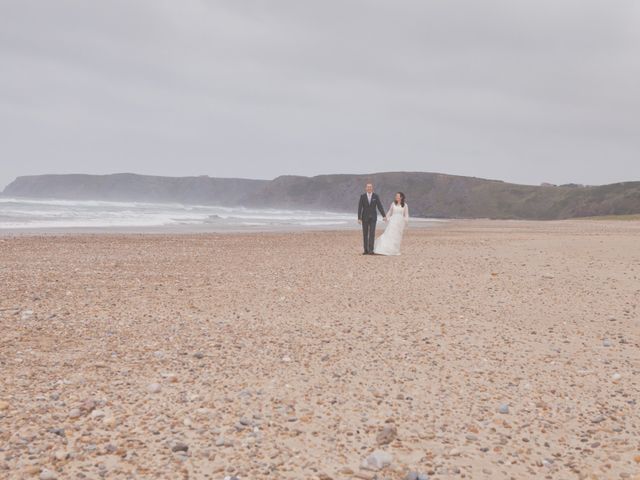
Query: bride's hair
point(402, 197)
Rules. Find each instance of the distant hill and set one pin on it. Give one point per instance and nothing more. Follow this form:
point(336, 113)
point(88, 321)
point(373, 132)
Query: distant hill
point(428, 194)
point(137, 188)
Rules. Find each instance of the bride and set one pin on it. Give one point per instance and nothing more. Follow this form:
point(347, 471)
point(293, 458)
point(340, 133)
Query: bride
point(398, 216)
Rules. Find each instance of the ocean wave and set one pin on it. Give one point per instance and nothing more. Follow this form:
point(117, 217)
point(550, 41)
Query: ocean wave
point(19, 213)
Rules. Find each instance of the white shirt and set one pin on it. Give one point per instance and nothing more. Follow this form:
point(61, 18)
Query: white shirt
point(369, 197)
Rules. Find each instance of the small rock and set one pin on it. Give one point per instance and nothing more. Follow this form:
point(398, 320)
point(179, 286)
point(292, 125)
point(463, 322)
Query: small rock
point(88, 405)
point(504, 409)
point(606, 342)
point(61, 455)
point(223, 442)
point(386, 435)
point(48, 475)
point(97, 414)
point(377, 460)
point(199, 355)
point(598, 419)
point(75, 413)
point(416, 476)
point(170, 377)
point(57, 431)
point(153, 388)
point(615, 377)
point(247, 422)
point(179, 447)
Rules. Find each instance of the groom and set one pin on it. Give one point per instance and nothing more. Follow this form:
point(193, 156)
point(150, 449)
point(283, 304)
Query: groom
point(367, 217)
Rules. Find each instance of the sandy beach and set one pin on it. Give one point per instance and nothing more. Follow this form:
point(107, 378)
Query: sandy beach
point(488, 350)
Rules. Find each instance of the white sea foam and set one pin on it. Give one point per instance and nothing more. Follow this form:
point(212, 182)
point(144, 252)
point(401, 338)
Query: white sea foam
point(22, 213)
point(28, 213)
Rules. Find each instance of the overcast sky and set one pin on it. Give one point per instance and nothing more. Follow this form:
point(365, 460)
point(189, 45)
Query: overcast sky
point(519, 90)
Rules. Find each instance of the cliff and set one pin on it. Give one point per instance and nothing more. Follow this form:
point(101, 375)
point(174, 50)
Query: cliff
point(428, 194)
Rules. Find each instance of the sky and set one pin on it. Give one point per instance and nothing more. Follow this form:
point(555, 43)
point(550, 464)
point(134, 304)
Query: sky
point(527, 91)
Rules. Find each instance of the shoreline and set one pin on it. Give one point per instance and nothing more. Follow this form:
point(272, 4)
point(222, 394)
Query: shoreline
point(600, 224)
point(417, 223)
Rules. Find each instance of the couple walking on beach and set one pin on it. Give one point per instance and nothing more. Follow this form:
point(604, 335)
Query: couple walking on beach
point(396, 217)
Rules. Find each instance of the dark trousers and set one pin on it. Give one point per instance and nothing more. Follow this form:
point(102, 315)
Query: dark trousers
point(369, 234)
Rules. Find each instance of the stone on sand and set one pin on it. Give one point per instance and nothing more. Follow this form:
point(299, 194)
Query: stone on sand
point(378, 460)
point(386, 435)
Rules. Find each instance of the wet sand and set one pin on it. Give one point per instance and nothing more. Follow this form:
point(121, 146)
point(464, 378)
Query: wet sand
point(487, 350)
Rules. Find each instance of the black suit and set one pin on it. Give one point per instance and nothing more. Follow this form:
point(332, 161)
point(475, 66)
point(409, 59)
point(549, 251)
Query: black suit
point(369, 216)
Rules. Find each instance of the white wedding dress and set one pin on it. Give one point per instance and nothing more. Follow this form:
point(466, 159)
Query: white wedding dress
point(389, 242)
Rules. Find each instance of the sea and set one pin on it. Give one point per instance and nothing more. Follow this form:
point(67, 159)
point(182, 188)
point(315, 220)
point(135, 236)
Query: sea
point(52, 214)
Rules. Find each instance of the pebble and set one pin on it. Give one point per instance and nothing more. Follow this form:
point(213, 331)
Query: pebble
point(61, 455)
point(109, 421)
point(386, 435)
point(75, 413)
point(504, 409)
point(223, 442)
point(606, 342)
point(97, 414)
point(615, 377)
point(247, 422)
point(377, 460)
point(48, 475)
point(57, 431)
point(179, 447)
point(153, 388)
point(416, 476)
point(170, 377)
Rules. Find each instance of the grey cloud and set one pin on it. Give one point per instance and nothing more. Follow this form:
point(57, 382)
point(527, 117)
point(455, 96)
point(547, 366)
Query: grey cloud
point(526, 91)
